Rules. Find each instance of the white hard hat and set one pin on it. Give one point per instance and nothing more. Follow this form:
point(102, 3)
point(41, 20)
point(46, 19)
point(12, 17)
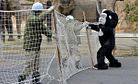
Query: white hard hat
point(37, 6)
point(69, 17)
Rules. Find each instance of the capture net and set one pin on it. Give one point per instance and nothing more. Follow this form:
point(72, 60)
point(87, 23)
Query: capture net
point(15, 60)
point(61, 56)
point(77, 49)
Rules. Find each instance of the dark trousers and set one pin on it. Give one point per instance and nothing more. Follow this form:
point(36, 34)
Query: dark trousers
point(49, 25)
point(105, 51)
point(49, 19)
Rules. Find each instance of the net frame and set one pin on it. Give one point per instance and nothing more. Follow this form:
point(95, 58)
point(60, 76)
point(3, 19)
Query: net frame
point(94, 35)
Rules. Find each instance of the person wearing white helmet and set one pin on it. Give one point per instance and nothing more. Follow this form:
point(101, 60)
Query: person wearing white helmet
point(34, 29)
point(39, 7)
point(72, 28)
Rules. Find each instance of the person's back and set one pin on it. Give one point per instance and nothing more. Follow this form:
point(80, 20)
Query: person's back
point(32, 42)
point(33, 31)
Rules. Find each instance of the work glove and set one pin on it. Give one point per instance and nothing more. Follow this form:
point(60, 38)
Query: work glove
point(85, 24)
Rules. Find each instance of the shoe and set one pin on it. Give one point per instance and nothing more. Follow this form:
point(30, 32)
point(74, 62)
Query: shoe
point(36, 78)
point(101, 67)
point(78, 65)
point(21, 78)
point(115, 64)
point(64, 61)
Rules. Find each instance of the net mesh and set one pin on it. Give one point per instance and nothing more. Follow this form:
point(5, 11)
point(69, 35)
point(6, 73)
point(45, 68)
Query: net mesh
point(57, 60)
point(74, 47)
point(13, 57)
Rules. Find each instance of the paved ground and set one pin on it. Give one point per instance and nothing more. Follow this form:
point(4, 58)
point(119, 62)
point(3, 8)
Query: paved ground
point(128, 74)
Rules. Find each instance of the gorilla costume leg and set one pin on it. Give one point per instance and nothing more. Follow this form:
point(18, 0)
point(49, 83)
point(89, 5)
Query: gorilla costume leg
point(113, 62)
point(100, 59)
point(106, 51)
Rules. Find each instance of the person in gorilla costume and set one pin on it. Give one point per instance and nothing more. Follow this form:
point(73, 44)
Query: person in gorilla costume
point(106, 27)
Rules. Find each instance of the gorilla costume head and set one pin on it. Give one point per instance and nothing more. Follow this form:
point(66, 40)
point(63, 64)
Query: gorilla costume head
point(111, 19)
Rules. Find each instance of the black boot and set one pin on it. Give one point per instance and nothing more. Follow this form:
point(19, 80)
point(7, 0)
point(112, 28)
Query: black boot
point(78, 65)
point(101, 66)
point(115, 64)
point(21, 78)
point(36, 78)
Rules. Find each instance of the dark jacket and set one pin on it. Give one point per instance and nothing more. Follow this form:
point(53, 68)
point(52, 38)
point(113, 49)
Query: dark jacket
point(108, 37)
point(33, 32)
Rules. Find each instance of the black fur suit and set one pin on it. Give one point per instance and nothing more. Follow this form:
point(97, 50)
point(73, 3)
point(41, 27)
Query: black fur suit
point(107, 41)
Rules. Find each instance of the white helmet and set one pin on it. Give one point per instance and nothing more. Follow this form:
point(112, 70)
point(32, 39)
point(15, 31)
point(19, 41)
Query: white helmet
point(37, 6)
point(69, 17)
